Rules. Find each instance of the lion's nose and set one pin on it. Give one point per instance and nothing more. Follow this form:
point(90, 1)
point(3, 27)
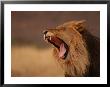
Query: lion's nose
point(45, 32)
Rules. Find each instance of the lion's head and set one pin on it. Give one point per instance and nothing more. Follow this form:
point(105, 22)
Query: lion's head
point(70, 48)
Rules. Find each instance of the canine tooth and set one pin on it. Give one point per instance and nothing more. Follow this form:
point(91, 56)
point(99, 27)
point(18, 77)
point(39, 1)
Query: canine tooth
point(44, 37)
point(50, 37)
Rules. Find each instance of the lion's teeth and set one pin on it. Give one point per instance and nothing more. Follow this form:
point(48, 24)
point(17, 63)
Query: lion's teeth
point(44, 37)
point(50, 37)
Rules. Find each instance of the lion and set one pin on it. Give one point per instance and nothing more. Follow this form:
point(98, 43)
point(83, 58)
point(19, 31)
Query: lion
point(76, 49)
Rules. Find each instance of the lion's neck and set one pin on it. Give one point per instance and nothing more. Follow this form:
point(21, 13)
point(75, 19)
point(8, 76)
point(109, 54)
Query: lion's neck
point(77, 61)
point(76, 67)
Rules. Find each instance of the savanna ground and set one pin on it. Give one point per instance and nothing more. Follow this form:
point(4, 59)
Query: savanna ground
point(32, 61)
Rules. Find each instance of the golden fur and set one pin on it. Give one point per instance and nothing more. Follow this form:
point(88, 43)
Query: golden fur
point(77, 62)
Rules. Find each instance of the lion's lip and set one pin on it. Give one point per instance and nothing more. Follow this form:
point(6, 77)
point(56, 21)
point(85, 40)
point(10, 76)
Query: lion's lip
point(58, 43)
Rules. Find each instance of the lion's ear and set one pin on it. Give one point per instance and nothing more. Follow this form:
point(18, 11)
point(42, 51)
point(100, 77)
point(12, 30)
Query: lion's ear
point(80, 25)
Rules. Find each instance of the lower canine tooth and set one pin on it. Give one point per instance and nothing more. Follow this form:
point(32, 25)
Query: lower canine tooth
point(50, 37)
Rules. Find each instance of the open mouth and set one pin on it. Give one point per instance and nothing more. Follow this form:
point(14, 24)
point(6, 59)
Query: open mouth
point(59, 44)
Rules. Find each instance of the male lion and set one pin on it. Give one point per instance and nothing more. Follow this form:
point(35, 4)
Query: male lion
point(76, 50)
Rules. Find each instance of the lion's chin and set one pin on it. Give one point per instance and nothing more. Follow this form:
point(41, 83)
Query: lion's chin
point(59, 44)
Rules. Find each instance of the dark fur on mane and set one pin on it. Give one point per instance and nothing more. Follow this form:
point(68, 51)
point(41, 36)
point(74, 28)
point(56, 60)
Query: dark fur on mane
point(93, 46)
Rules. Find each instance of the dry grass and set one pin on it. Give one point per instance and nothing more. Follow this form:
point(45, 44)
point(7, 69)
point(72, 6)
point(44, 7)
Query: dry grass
point(31, 61)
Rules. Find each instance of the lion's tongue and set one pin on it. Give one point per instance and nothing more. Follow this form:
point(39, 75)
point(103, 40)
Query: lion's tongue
point(62, 50)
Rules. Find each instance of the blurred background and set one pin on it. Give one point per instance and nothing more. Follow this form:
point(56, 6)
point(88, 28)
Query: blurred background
point(31, 55)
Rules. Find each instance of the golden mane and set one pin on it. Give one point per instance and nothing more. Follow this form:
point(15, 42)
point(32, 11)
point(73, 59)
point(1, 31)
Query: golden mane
point(77, 61)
